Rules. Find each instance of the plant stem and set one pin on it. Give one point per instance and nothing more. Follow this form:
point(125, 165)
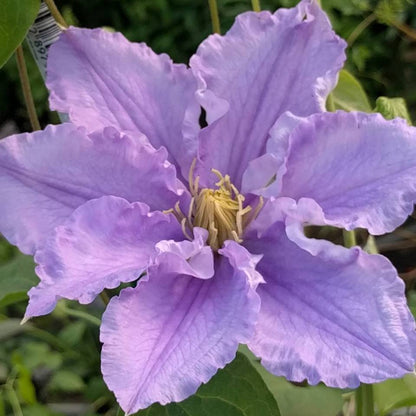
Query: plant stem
point(256, 5)
point(213, 9)
point(368, 399)
point(360, 28)
point(349, 238)
point(27, 93)
point(358, 402)
point(364, 400)
point(55, 13)
point(83, 315)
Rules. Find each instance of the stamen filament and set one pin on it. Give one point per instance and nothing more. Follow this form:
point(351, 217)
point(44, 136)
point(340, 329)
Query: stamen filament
point(221, 211)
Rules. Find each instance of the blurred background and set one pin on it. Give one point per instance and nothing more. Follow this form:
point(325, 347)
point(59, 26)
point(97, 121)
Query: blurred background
point(51, 366)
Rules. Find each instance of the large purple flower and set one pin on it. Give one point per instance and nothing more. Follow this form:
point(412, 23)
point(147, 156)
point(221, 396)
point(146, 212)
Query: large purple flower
point(215, 217)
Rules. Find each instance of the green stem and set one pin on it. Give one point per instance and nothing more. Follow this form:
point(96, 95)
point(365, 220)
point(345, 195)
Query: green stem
point(256, 5)
point(81, 314)
point(11, 394)
point(360, 28)
point(27, 92)
point(14, 401)
point(359, 402)
point(55, 13)
point(364, 400)
point(213, 9)
point(368, 399)
point(349, 238)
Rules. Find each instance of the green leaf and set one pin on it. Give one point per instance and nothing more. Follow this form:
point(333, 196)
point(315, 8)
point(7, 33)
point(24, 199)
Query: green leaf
point(67, 382)
point(236, 390)
point(391, 108)
point(295, 400)
point(388, 11)
point(16, 17)
point(11, 327)
point(25, 388)
point(395, 393)
point(349, 95)
point(16, 277)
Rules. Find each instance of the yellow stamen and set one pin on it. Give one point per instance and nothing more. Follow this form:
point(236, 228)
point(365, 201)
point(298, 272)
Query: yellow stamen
point(221, 211)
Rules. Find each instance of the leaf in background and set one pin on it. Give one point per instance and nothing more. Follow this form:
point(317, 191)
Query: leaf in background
point(296, 400)
point(391, 108)
point(38, 354)
point(387, 11)
point(16, 17)
point(67, 382)
point(16, 277)
point(349, 95)
point(395, 393)
point(11, 327)
point(236, 390)
point(2, 406)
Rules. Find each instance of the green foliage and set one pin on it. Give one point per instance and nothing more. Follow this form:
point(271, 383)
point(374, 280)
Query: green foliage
point(295, 400)
point(388, 11)
point(393, 394)
point(349, 95)
point(16, 16)
point(236, 390)
point(391, 108)
point(67, 382)
point(17, 276)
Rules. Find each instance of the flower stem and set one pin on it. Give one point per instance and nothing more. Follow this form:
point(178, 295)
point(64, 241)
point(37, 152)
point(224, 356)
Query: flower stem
point(349, 238)
point(55, 13)
point(364, 400)
point(256, 5)
point(27, 93)
point(360, 28)
point(81, 314)
point(213, 9)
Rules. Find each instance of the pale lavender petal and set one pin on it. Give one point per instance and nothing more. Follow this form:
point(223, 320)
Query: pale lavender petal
point(193, 258)
point(101, 79)
point(104, 242)
point(243, 260)
point(264, 175)
point(173, 332)
point(45, 175)
point(265, 65)
point(329, 313)
point(360, 168)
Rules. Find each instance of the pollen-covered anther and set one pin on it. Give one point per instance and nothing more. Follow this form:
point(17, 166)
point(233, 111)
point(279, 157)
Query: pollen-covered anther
point(221, 211)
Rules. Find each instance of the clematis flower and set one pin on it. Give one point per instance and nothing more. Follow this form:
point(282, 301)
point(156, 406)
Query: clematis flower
point(211, 220)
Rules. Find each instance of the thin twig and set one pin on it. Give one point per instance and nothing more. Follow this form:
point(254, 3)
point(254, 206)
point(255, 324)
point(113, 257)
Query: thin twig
point(256, 5)
point(55, 13)
point(213, 9)
point(360, 28)
point(27, 93)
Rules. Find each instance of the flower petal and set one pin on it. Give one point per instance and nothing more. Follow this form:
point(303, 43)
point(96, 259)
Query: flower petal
point(193, 258)
point(101, 79)
point(329, 313)
point(45, 175)
point(360, 168)
point(172, 333)
point(265, 65)
point(104, 242)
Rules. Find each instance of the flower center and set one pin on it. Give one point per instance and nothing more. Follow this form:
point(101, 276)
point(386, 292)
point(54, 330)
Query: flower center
point(221, 211)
